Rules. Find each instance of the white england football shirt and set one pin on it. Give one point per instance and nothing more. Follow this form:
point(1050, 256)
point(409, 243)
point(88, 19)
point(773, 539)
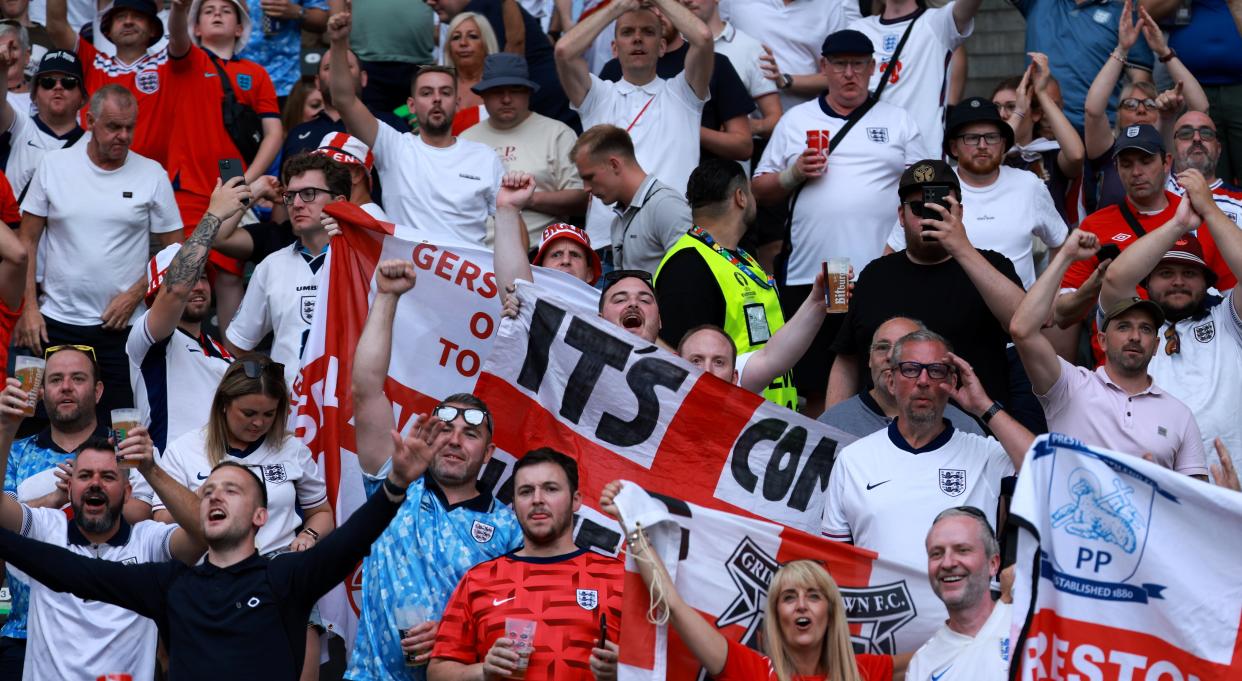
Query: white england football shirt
point(663, 118)
point(445, 195)
point(174, 380)
point(920, 78)
point(849, 210)
point(1229, 203)
point(75, 640)
point(1003, 217)
point(31, 140)
point(280, 299)
point(292, 478)
point(1206, 374)
point(950, 656)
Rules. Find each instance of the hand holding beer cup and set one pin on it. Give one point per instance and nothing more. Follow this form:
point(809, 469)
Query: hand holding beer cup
point(501, 661)
point(813, 161)
point(13, 401)
point(417, 641)
point(137, 450)
point(836, 285)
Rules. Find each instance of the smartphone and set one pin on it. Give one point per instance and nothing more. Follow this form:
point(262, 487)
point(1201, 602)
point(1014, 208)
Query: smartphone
point(231, 168)
point(1108, 252)
point(933, 193)
point(603, 629)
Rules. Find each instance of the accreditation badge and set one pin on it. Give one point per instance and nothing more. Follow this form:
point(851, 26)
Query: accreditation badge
point(757, 323)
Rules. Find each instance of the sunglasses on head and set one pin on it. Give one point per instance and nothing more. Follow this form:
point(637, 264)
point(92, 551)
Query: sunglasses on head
point(473, 416)
point(48, 352)
point(617, 275)
point(254, 368)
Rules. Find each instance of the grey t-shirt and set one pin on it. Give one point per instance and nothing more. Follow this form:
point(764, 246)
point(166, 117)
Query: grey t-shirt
point(861, 416)
point(644, 231)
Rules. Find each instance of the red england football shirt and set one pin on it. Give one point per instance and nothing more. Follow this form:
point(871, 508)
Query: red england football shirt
point(148, 80)
point(744, 664)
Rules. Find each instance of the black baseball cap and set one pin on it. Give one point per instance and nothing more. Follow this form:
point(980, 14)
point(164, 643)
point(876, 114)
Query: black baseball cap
point(925, 172)
point(1143, 137)
point(146, 7)
point(60, 61)
point(847, 41)
point(975, 110)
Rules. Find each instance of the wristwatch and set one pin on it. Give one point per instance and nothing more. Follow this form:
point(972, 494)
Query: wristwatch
point(1169, 57)
point(785, 82)
point(992, 411)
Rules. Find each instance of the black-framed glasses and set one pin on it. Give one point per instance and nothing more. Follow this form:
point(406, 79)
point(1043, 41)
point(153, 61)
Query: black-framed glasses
point(307, 194)
point(974, 139)
point(937, 371)
point(1187, 132)
point(1132, 103)
point(473, 416)
point(86, 349)
point(67, 82)
point(254, 368)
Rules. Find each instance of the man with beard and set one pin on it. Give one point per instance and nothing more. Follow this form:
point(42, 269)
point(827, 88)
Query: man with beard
point(235, 614)
point(103, 636)
point(446, 526)
point(1002, 207)
point(1196, 146)
point(1200, 362)
point(887, 486)
point(174, 366)
point(565, 590)
point(281, 296)
point(962, 558)
point(454, 207)
point(1118, 406)
point(59, 94)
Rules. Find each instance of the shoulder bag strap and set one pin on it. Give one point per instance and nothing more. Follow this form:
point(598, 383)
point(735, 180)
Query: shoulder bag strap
point(1135, 225)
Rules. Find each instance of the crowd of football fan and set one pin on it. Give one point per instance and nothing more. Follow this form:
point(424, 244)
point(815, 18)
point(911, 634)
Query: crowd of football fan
point(1059, 256)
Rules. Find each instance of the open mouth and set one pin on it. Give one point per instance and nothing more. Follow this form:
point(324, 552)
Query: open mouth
point(94, 499)
point(952, 579)
point(216, 514)
point(802, 622)
point(631, 319)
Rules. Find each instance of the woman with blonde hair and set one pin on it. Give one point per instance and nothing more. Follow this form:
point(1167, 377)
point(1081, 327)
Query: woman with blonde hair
point(804, 629)
point(470, 39)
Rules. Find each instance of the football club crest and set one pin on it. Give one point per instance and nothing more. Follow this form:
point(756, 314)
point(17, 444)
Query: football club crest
point(275, 473)
point(751, 569)
point(952, 481)
point(1204, 333)
point(482, 532)
point(588, 598)
point(147, 82)
point(879, 611)
point(1132, 131)
point(244, 81)
point(879, 135)
point(890, 42)
point(308, 308)
point(924, 172)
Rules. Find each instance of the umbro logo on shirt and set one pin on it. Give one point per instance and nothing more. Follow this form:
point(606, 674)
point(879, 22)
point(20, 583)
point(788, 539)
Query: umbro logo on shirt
point(1121, 237)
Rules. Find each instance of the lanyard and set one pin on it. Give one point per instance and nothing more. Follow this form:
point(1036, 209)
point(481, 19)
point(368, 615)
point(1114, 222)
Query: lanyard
point(745, 263)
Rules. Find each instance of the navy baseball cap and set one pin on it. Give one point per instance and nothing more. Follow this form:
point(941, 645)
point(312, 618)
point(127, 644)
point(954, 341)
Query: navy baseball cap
point(847, 41)
point(1143, 137)
point(60, 61)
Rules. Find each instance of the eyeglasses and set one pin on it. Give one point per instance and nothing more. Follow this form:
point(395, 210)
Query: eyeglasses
point(972, 139)
point(307, 194)
point(1173, 344)
point(936, 371)
point(1132, 103)
point(1187, 132)
point(254, 368)
point(843, 65)
point(49, 82)
point(86, 349)
point(473, 416)
point(1007, 106)
point(882, 346)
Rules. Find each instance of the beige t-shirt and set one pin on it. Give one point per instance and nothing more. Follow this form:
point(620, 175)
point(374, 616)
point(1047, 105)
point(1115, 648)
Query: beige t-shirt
point(539, 146)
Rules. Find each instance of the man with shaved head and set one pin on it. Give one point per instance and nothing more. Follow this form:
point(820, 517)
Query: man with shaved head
point(1196, 144)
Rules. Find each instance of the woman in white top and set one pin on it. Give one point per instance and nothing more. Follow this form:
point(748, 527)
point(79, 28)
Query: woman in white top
point(248, 422)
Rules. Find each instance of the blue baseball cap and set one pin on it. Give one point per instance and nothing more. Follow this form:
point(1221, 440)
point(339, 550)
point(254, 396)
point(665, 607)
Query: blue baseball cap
point(1143, 137)
point(847, 41)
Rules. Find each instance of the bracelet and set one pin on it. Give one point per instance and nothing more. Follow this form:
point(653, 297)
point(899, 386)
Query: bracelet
point(1019, 114)
point(1114, 55)
point(1169, 57)
point(393, 489)
point(311, 531)
point(789, 178)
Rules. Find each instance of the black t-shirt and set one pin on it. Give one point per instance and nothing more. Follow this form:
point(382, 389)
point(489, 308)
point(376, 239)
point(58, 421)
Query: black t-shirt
point(269, 237)
point(688, 295)
point(729, 97)
point(942, 297)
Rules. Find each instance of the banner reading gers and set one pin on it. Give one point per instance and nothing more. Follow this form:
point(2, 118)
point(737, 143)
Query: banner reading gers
point(1126, 570)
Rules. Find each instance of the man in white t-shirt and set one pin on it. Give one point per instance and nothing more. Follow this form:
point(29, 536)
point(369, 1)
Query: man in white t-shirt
point(281, 296)
point(98, 204)
point(73, 639)
point(661, 116)
point(1002, 207)
point(920, 76)
point(56, 124)
point(1200, 359)
point(845, 207)
point(973, 645)
point(175, 366)
point(528, 142)
point(441, 186)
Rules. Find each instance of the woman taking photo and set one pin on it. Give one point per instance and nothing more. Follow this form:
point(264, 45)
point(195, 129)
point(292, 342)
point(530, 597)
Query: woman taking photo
point(804, 627)
point(248, 424)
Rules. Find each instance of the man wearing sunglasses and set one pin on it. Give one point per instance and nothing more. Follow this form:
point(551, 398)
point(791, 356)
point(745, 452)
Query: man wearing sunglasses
point(447, 525)
point(58, 95)
point(281, 296)
point(887, 487)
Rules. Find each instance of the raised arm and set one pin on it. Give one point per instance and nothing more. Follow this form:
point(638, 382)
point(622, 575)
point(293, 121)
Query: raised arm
point(179, 42)
point(1097, 133)
point(571, 64)
point(964, 12)
point(788, 344)
point(64, 36)
point(188, 542)
point(12, 403)
point(700, 58)
point(1000, 293)
point(801, 84)
point(1224, 232)
point(1072, 151)
point(510, 259)
point(706, 643)
point(359, 120)
point(969, 393)
point(1192, 94)
point(373, 417)
point(1038, 355)
point(1137, 261)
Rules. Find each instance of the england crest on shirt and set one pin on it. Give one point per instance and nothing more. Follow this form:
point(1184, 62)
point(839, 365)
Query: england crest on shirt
point(1204, 333)
point(308, 309)
point(890, 42)
point(952, 481)
point(244, 81)
point(878, 135)
point(275, 473)
point(588, 598)
point(147, 82)
point(482, 532)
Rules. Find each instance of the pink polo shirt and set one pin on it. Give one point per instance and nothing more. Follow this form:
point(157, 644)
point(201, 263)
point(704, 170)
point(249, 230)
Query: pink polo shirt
point(1087, 405)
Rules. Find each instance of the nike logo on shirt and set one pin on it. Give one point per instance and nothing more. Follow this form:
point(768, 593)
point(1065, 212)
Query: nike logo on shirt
point(200, 476)
point(937, 677)
point(871, 486)
point(304, 135)
point(496, 602)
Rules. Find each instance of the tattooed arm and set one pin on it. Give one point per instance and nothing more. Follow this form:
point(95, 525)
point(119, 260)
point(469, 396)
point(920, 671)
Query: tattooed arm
point(188, 266)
